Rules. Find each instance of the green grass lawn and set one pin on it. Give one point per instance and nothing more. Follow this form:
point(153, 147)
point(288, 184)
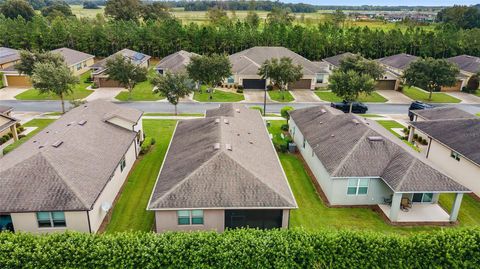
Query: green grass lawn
point(79, 92)
point(437, 97)
point(143, 91)
point(39, 123)
point(280, 96)
point(477, 93)
point(390, 124)
point(372, 116)
point(331, 97)
point(130, 211)
point(218, 96)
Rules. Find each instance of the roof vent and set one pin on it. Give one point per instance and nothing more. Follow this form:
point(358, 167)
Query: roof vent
point(217, 120)
point(321, 122)
point(82, 122)
point(375, 138)
point(323, 110)
point(238, 110)
point(40, 146)
point(228, 147)
point(70, 123)
point(226, 121)
point(332, 135)
point(57, 144)
point(251, 142)
point(216, 146)
point(356, 121)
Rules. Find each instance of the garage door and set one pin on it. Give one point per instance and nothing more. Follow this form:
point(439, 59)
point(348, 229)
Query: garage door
point(18, 81)
point(105, 82)
point(455, 88)
point(253, 84)
point(385, 85)
point(303, 84)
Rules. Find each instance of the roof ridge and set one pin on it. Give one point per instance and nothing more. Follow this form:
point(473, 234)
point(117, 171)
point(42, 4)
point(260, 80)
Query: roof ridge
point(351, 152)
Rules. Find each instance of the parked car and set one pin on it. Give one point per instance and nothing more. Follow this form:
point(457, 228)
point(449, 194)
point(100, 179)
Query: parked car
point(357, 107)
point(417, 105)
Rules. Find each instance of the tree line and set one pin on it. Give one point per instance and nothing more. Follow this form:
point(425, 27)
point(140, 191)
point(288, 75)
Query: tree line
point(244, 5)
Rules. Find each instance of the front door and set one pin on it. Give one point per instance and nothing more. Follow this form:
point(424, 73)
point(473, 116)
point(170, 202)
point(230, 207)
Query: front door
point(6, 223)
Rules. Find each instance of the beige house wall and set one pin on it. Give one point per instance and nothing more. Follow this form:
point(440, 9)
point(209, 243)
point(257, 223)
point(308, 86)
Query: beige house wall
point(214, 220)
point(27, 222)
point(85, 67)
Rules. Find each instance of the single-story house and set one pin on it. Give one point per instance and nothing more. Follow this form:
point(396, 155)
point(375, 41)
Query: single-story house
point(68, 175)
point(229, 177)
point(79, 62)
point(175, 63)
point(7, 123)
point(390, 80)
point(100, 78)
point(397, 63)
point(357, 162)
point(8, 57)
point(246, 64)
point(453, 142)
point(10, 77)
point(468, 65)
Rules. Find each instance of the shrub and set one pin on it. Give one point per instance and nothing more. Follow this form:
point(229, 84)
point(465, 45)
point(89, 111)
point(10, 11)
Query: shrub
point(21, 136)
point(415, 136)
point(240, 87)
point(269, 87)
point(284, 112)
point(153, 141)
point(146, 145)
point(257, 108)
point(239, 91)
point(405, 130)
point(284, 127)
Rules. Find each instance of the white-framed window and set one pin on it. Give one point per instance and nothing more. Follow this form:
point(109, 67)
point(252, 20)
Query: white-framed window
point(230, 80)
point(455, 155)
point(190, 217)
point(79, 66)
point(422, 197)
point(123, 163)
point(51, 219)
point(358, 186)
point(320, 78)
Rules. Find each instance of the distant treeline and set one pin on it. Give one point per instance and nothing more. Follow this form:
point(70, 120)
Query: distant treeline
point(244, 5)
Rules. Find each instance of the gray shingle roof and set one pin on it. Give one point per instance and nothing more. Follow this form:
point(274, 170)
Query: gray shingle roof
point(39, 177)
point(247, 62)
point(5, 109)
point(443, 113)
point(248, 176)
point(335, 60)
point(342, 143)
point(176, 62)
point(136, 57)
point(73, 56)
point(399, 61)
point(467, 63)
point(8, 55)
point(461, 135)
point(7, 122)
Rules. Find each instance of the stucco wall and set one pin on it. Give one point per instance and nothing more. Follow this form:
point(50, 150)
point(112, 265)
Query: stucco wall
point(286, 218)
point(27, 222)
point(377, 190)
point(85, 67)
point(214, 220)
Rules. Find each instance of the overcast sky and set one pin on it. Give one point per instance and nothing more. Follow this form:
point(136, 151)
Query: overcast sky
point(387, 2)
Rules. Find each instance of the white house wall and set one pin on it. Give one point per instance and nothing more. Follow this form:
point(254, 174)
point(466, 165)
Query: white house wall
point(27, 222)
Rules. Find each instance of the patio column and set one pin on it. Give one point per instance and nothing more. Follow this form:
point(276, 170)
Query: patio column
point(396, 200)
point(411, 130)
point(13, 129)
point(456, 206)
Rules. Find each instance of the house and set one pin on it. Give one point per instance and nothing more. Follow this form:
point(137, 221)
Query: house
point(357, 162)
point(8, 57)
point(68, 175)
point(230, 175)
point(397, 63)
point(77, 61)
point(246, 64)
point(10, 76)
point(175, 63)
point(7, 124)
point(100, 78)
point(453, 142)
point(468, 65)
point(334, 61)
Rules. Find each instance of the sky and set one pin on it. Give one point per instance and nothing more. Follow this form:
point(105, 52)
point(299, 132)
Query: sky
point(387, 2)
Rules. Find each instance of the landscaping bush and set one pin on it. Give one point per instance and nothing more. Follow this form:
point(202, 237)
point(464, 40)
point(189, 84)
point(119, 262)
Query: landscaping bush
point(269, 87)
point(240, 87)
point(284, 127)
point(244, 248)
point(146, 145)
point(415, 136)
point(239, 91)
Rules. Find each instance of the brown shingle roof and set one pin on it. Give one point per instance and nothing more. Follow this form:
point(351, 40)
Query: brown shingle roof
point(176, 62)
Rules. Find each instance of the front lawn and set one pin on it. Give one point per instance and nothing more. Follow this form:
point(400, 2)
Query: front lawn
point(218, 96)
point(437, 97)
point(39, 123)
point(130, 211)
point(79, 92)
point(331, 97)
point(280, 96)
point(390, 125)
point(143, 91)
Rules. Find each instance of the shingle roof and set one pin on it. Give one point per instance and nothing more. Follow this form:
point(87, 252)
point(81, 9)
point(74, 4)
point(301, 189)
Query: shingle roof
point(247, 62)
point(176, 62)
point(5, 109)
point(40, 177)
point(346, 146)
point(443, 113)
point(8, 55)
point(335, 60)
point(72, 56)
point(467, 63)
point(136, 57)
point(247, 176)
point(6, 121)
point(399, 61)
point(461, 135)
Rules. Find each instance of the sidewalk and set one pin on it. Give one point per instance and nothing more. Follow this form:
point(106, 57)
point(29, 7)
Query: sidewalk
point(9, 93)
point(467, 98)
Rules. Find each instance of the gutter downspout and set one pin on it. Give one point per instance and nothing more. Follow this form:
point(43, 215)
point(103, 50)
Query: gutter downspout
point(89, 225)
point(428, 149)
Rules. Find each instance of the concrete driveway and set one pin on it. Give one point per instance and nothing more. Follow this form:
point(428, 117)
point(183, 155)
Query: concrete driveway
point(107, 94)
point(9, 93)
point(467, 98)
point(255, 96)
point(395, 97)
point(305, 96)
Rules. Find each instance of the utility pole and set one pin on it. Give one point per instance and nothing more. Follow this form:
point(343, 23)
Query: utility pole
point(265, 94)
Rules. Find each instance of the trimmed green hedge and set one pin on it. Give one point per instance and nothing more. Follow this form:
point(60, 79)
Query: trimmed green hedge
point(450, 248)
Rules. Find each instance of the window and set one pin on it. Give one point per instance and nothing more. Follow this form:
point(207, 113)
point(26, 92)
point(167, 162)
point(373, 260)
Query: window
point(422, 197)
point(320, 78)
point(455, 155)
point(123, 163)
point(357, 186)
point(230, 80)
point(190, 217)
point(160, 71)
point(51, 219)
point(79, 66)
point(304, 142)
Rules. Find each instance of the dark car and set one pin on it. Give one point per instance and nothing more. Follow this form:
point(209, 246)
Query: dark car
point(357, 107)
point(417, 105)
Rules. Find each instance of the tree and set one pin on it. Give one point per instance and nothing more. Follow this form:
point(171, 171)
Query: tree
point(211, 70)
point(362, 66)
point(156, 11)
point(127, 10)
point(173, 87)
point(128, 74)
point(49, 77)
point(29, 59)
point(431, 74)
point(284, 112)
point(252, 19)
point(14, 8)
point(57, 8)
point(349, 85)
point(461, 16)
point(281, 16)
point(338, 17)
point(217, 15)
point(280, 72)
point(473, 83)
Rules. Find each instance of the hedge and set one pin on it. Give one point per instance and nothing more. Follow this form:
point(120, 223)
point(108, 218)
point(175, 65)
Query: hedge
point(449, 248)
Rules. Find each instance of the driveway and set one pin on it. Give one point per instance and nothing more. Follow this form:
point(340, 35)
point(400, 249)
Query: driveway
point(255, 96)
point(305, 96)
point(395, 97)
point(9, 93)
point(467, 98)
point(107, 94)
